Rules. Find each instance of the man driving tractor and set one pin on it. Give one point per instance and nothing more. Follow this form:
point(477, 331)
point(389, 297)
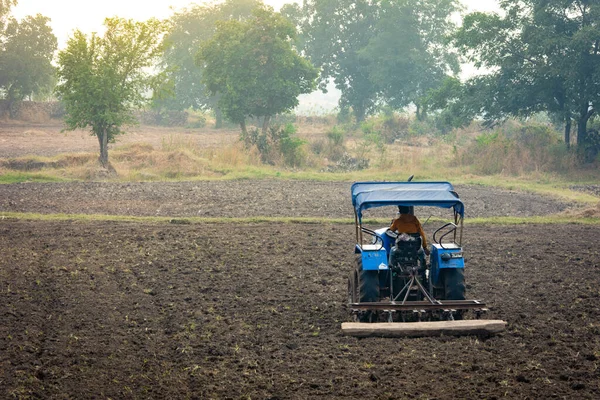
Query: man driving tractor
point(408, 223)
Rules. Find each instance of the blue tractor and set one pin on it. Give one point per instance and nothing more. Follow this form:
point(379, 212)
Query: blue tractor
point(392, 281)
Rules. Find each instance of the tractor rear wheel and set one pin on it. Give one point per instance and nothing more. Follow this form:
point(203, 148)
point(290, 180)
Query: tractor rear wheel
point(454, 284)
point(368, 283)
point(352, 288)
point(454, 287)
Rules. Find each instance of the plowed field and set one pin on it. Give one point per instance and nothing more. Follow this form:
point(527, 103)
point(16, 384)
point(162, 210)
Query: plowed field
point(273, 198)
point(230, 311)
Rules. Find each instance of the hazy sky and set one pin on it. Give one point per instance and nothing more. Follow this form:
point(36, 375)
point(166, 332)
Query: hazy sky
point(88, 16)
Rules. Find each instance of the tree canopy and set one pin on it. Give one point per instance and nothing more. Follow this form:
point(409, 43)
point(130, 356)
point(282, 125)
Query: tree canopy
point(409, 54)
point(188, 29)
point(5, 7)
point(104, 79)
point(336, 31)
point(254, 68)
point(380, 52)
point(26, 63)
point(542, 54)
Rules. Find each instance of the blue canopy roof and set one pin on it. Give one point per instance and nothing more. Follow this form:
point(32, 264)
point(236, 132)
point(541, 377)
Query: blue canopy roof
point(367, 195)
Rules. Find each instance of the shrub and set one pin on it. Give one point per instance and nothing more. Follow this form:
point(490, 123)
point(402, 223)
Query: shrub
point(318, 146)
point(277, 143)
point(164, 117)
point(335, 136)
point(516, 150)
point(289, 145)
point(386, 128)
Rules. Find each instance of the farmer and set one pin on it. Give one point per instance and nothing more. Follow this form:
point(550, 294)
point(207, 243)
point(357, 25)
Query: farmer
point(408, 223)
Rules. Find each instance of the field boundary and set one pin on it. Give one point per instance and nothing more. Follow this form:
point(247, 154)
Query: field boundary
point(552, 219)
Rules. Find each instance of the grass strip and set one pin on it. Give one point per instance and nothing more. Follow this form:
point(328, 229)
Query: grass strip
point(551, 219)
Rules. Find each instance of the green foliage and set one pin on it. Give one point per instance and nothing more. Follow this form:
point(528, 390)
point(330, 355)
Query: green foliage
point(26, 58)
point(386, 128)
point(451, 105)
point(190, 28)
point(289, 145)
point(334, 148)
point(335, 136)
point(516, 150)
point(252, 66)
point(334, 32)
point(278, 142)
point(409, 54)
point(389, 52)
point(5, 6)
point(544, 56)
point(104, 79)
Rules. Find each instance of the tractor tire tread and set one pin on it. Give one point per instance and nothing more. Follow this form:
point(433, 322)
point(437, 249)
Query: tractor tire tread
point(454, 284)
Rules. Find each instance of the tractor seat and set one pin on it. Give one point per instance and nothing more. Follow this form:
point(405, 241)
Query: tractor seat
point(406, 251)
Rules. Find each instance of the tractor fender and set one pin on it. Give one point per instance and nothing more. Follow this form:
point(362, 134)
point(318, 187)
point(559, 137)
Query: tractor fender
point(373, 256)
point(448, 256)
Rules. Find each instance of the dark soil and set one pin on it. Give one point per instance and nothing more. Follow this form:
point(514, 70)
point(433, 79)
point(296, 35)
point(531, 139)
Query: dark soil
point(158, 311)
point(242, 199)
point(590, 189)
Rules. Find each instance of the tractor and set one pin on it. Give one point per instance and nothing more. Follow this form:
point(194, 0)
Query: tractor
point(393, 289)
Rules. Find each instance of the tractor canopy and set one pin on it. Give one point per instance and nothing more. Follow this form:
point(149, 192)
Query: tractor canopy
point(367, 195)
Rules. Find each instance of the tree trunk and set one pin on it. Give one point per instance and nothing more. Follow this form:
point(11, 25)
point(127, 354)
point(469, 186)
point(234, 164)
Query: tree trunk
point(584, 116)
point(421, 112)
point(103, 141)
point(218, 118)
point(13, 108)
point(266, 123)
point(568, 131)
point(359, 112)
point(244, 130)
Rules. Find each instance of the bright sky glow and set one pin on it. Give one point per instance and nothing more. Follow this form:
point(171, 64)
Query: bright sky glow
point(88, 16)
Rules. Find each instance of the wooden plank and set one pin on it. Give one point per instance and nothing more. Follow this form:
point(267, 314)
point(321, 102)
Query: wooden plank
point(417, 329)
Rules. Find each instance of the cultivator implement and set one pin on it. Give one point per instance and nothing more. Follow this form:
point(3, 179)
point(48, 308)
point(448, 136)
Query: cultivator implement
point(420, 318)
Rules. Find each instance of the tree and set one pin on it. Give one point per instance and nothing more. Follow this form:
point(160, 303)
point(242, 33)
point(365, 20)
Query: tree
point(26, 63)
point(254, 68)
point(409, 54)
point(335, 32)
point(453, 103)
point(5, 6)
point(104, 79)
point(544, 56)
point(380, 52)
point(188, 30)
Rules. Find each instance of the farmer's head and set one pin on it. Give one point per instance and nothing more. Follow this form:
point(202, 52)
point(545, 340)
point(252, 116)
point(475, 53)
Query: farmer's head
point(404, 209)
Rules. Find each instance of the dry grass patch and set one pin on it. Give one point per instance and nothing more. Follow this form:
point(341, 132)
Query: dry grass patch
point(587, 212)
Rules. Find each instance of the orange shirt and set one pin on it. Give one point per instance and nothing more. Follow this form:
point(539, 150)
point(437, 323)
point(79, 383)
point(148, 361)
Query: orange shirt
point(407, 223)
